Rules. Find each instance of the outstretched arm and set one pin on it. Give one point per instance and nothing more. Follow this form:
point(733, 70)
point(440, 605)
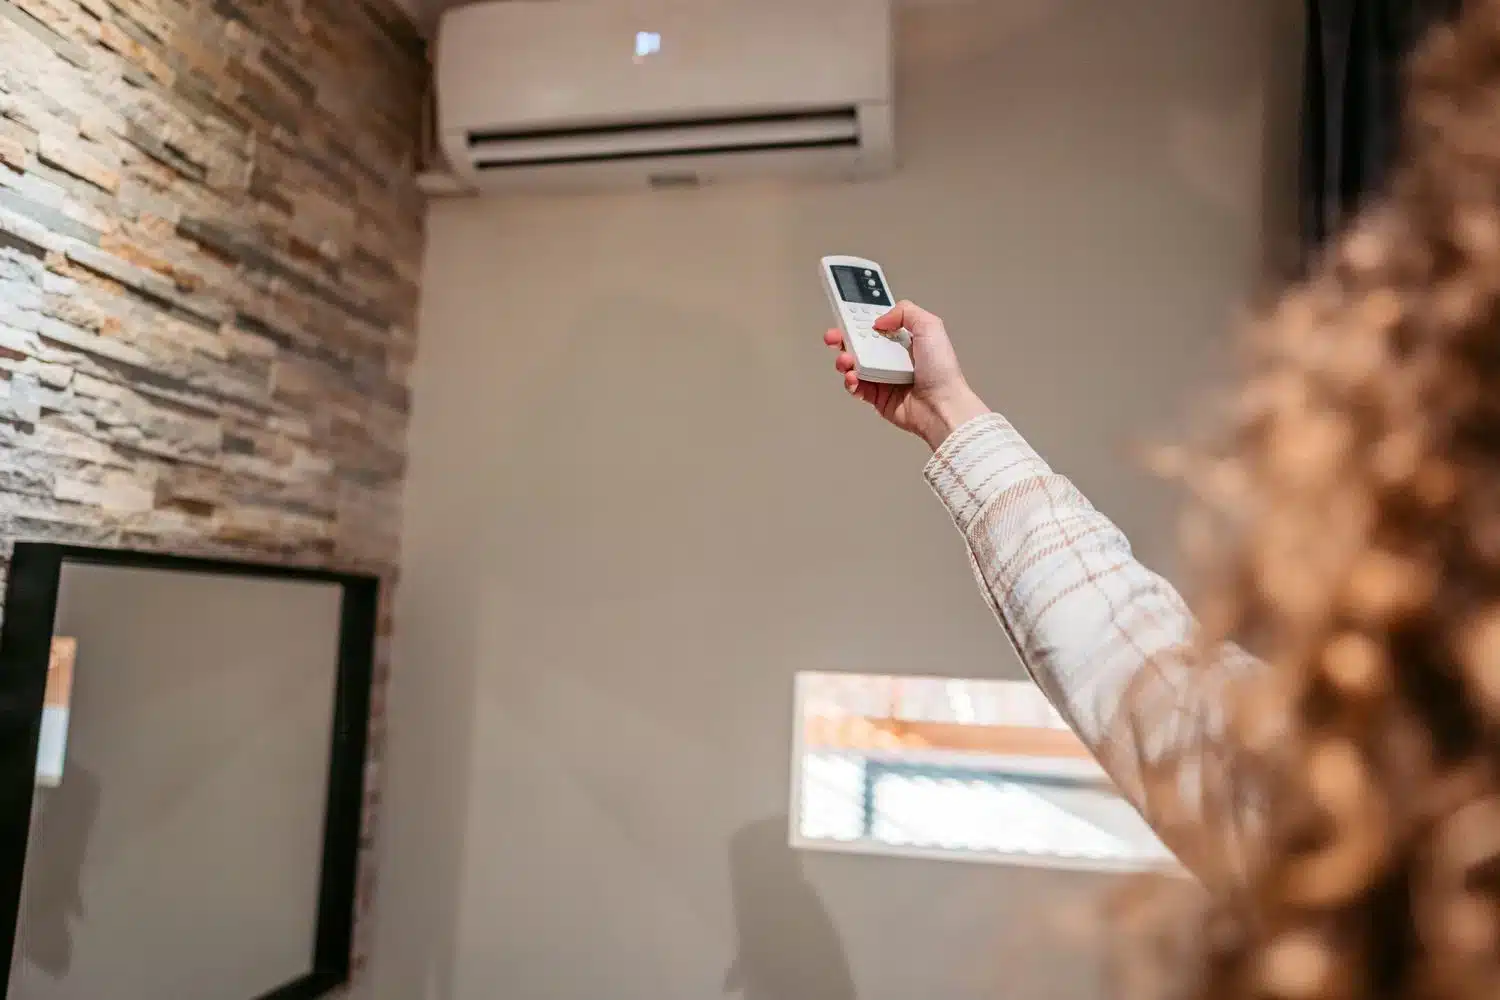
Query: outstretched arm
point(1110, 643)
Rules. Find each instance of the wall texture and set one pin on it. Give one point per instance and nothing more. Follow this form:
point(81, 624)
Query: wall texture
point(210, 242)
point(639, 503)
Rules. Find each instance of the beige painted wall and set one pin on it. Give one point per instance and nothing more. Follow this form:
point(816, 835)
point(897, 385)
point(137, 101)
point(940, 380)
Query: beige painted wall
point(180, 855)
point(638, 504)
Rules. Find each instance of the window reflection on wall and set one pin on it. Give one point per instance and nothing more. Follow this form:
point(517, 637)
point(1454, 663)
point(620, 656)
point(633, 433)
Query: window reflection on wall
point(963, 769)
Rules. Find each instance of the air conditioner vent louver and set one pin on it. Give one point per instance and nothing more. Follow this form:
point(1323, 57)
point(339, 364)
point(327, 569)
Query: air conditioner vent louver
point(821, 129)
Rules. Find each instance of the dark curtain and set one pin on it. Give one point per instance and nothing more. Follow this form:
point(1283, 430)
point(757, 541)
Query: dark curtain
point(1351, 102)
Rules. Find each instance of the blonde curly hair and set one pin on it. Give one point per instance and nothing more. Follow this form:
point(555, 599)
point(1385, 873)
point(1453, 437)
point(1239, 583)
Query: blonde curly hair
point(1357, 506)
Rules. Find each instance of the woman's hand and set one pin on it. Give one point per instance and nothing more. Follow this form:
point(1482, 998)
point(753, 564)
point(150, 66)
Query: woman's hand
point(938, 401)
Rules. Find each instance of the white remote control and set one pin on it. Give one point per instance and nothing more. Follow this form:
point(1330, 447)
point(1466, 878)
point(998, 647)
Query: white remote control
point(860, 295)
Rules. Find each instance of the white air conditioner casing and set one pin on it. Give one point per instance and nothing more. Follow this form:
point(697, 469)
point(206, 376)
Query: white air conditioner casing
point(580, 94)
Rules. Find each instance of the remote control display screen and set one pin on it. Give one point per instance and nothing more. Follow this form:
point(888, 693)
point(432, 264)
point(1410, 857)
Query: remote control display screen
point(861, 285)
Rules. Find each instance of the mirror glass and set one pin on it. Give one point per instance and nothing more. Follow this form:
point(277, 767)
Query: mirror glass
point(182, 780)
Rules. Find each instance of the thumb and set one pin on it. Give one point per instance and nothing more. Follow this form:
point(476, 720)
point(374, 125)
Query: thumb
point(916, 320)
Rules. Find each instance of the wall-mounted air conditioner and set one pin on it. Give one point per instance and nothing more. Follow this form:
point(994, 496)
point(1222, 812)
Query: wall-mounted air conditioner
point(576, 94)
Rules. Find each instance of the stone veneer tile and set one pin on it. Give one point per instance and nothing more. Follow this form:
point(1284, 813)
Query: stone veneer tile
point(210, 238)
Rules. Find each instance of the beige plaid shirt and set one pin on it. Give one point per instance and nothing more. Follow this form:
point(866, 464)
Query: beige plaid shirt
point(1088, 621)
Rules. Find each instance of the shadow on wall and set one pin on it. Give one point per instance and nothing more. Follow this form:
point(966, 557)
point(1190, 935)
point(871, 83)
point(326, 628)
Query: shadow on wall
point(54, 870)
point(788, 947)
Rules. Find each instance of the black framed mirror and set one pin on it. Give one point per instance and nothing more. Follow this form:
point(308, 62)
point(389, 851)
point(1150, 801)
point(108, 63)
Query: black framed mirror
point(182, 760)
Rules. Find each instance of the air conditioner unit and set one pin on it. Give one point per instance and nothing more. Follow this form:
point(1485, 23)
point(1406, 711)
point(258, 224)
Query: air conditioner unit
point(578, 94)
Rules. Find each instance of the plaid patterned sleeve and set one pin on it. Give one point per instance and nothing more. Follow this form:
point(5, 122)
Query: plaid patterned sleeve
point(1089, 622)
